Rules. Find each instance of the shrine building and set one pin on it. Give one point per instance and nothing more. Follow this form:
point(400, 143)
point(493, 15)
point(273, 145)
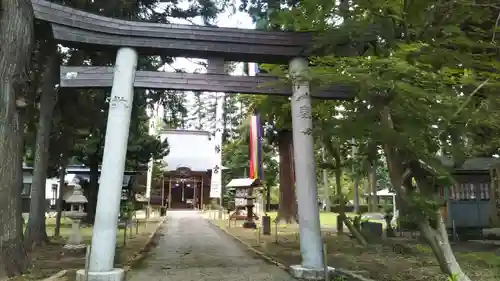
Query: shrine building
point(186, 170)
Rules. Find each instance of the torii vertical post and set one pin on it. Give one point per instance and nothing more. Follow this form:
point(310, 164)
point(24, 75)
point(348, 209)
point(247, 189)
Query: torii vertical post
point(113, 165)
point(311, 246)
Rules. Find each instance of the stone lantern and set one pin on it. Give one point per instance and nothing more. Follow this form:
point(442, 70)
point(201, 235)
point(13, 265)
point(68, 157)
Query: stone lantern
point(244, 189)
point(76, 214)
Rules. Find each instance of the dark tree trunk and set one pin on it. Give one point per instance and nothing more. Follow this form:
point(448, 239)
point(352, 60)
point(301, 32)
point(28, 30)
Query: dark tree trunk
point(340, 194)
point(36, 233)
point(93, 190)
point(373, 200)
point(16, 37)
point(59, 202)
point(287, 211)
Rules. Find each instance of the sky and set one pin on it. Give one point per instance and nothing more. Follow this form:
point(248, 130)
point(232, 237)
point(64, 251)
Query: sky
point(226, 19)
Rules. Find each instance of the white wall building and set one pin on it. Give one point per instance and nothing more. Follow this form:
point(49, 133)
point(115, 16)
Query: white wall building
point(74, 174)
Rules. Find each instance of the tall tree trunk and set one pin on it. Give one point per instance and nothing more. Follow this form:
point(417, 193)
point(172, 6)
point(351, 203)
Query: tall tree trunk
point(287, 211)
point(355, 188)
point(440, 245)
point(340, 194)
point(36, 233)
point(60, 194)
point(93, 189)
point(326, 186)
point(437, 238)
point(373, 202)
point(16, 37)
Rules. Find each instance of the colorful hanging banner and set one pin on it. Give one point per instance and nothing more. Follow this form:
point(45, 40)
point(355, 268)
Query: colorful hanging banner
point(255, 148)
point(253, 69)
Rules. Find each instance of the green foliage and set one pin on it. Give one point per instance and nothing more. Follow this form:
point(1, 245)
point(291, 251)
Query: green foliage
point(127, 209)
point(425, 76)
point(420, 206)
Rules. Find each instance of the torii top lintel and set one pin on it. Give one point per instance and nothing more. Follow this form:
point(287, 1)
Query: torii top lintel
point(73, 27)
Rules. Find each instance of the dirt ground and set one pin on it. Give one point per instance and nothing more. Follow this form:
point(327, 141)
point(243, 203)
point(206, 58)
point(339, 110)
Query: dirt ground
point(52, 258)
point(409, 260)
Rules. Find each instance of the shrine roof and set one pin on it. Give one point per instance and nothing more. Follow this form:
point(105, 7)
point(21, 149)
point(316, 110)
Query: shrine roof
point(193, 149)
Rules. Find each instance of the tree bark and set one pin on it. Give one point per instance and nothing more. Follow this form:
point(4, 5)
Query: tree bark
point(93, 190)
point(355, 232)
point(326, 186)
point(355, 190)
point(16, 37)
point(59, 202)
point(287, 211)
point(437, 238)
point(340, 194)
point(440, 245)
point(36, 233)
point(373, 202)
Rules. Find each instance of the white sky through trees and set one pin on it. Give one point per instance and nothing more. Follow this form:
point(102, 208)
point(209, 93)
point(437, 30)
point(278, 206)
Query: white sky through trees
point(191, 65)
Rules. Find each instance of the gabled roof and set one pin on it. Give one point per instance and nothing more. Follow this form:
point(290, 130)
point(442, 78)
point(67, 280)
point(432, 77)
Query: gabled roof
point(72, 179)
point(193, 149)
point(243, 182)
point(471, 164)
point(78, 169)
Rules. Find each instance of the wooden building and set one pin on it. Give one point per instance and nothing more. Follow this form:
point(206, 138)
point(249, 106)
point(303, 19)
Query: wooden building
point(187, 171)
point(467, 203)
point(74, 174)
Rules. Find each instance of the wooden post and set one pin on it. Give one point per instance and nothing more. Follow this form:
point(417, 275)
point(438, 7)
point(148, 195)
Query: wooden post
point(162, 192)
point(195, 187)
point(493, 194)
point(169, 192)
point(202, 202)
point(125, 234)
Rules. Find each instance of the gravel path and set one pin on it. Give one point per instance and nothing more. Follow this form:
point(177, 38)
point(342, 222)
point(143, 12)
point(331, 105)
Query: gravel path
point(192, 250)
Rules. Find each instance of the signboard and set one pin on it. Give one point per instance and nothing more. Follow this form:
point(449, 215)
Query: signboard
point(216, 182)
point(240, 202)
point(215, 190)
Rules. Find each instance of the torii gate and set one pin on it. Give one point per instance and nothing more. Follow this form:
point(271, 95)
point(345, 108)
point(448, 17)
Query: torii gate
point(72, 27)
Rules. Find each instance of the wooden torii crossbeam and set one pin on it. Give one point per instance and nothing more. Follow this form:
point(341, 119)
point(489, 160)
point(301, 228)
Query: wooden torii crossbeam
point(78, 28)
point(102, 77)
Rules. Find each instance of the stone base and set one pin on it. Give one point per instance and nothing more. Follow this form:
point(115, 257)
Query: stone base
point(249, 224)
point(71, 250)
point(116, 274)
point(76, 247)
point(302, 273)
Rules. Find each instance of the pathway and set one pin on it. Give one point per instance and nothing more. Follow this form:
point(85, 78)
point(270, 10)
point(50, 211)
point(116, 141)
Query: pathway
point(192, 250)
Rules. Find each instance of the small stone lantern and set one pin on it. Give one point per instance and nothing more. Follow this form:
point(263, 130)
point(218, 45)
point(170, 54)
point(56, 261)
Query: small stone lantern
point(76, 214)
point(244, 189)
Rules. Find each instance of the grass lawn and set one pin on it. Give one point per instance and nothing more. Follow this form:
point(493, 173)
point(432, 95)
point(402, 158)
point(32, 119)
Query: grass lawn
point(52, 258)
point(326, 219)
point(378, 261)
point(86, 231)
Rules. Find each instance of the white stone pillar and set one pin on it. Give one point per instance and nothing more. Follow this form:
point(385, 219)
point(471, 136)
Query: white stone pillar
point(311, 246)
point(113, 166)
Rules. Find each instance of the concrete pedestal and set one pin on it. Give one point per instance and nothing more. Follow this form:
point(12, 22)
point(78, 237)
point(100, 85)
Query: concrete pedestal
point(116, 274)
point(302, 273)
point(75, 238)
point(75, 242)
